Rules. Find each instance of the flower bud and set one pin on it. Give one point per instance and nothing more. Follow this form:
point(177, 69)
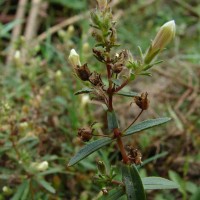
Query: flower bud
point(42, 166)
point(163, 37)
point(101, 167)
point(70, 29)
point(74, 58)
point(7, 191)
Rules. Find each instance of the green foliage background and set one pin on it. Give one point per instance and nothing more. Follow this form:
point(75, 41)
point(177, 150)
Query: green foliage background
point(40, 115)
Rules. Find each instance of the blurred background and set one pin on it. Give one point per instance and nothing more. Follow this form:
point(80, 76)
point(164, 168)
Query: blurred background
point(40, 115)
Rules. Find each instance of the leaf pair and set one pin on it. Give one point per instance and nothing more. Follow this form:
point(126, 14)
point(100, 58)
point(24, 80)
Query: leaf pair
point(97, 144)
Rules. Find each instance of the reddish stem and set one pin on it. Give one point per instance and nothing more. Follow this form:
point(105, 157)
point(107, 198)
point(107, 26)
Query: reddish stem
point(122, 85)
point(122, 150)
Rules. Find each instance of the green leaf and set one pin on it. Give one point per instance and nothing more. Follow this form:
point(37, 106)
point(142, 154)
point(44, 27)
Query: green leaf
point(133, 183)
point(113, 194)
point(76, 5)
point(20, 190)
point(127, 94)
point(51, 171)
point(158, 183)
point(146, 125)
point(117, 82)
point(46, 185)
point(89, 149)
point(196, 195)
point(112, 121)
point(83, 91)
point(157, 156)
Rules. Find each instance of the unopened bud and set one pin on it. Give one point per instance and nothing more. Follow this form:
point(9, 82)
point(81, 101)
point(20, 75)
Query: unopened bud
point(83, 72)
point(74, 58)
point(42, 166)
point(85, 133)
point(58, 74)
point(17, 55)
point(86, 47)
point(142, 101)
point(163, 37)
point(7, 191)
point(101, 167)
point(70, 29)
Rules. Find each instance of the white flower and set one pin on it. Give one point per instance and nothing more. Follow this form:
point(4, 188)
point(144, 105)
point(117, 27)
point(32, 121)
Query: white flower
point(164, 36)
point(74, 58)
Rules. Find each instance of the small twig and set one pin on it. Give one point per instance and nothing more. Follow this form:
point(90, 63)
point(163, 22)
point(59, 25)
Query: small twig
point(176, 79)
point(31, 27)
point(17, 29)
point(133, 121)
point(117, 182)
point(188, 7)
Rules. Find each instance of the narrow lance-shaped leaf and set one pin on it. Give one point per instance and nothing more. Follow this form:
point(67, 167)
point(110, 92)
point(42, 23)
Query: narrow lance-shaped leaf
point(158, 183)
point(127, 94)
point(89, 149)
point(20, 190)
point(133, 183)
point(146, 125)
point(46, 185)
point(112, 121)
point(83, 91)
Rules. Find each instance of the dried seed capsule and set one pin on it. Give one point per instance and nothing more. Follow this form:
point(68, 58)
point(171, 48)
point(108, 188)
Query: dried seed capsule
point(134, 156)
point(95, 79)
point(117, 67)
point(85, 133)
point(83, 72)
point(142, 101)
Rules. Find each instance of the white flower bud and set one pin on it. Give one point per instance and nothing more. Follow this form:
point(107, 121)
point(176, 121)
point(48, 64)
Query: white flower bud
point(74, 58)
point(5, 189)
point(42, 166)
point(58, 73)
point(70, 29)
point(85, 99)
point(17, 55)
point(165, 34)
